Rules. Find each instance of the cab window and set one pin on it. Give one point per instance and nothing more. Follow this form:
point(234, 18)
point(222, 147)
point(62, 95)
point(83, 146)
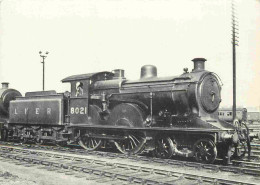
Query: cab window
point(79, 89)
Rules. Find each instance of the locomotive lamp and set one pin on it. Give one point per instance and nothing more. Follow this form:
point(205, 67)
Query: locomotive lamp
point(43, 66)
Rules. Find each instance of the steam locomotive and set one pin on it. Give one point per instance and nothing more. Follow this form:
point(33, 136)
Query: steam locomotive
point(176, 115)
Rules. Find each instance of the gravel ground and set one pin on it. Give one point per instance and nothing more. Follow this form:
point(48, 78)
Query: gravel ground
point(12, 174)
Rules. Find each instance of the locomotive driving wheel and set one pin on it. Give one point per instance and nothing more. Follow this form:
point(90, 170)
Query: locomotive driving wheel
point(205, 151)
point(86, 141)
point(129, 116)
point(132, 144)
point(90, 143)
point(164, 147)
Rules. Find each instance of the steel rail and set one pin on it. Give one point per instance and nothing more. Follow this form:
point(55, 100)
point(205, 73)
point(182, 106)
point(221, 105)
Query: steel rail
point(62, 161)
point(239, 166)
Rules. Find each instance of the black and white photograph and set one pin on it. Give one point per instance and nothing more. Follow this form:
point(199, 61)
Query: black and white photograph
point(112, 92)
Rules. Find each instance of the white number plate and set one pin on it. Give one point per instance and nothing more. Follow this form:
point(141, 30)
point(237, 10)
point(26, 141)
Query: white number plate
point(78, 110)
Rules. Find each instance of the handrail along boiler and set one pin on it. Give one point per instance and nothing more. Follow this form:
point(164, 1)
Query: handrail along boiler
point(176, 115)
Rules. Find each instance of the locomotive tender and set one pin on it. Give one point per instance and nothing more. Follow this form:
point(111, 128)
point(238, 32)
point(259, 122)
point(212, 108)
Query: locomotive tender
point(176, 115)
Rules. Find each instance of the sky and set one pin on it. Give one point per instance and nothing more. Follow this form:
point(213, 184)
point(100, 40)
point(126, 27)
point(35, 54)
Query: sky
point(85, 36)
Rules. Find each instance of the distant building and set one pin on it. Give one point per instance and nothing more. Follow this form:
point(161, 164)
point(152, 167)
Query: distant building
point(226, 114)
point(243, 114)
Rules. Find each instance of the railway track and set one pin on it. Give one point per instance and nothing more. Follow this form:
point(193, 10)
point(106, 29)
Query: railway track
point(116, 168)
point(239, 166)
point(244, 166)
point(255, 153)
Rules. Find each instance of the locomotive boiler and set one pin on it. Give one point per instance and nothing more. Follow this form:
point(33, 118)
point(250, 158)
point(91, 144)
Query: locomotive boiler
point(176, 115)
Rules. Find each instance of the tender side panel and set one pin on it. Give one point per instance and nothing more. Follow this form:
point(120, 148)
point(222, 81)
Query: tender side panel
point(47, 110)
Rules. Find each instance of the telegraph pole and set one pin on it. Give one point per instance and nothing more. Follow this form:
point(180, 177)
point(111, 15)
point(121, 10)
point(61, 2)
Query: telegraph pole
point(234, 44)
point(1, 33)
point(43, 66)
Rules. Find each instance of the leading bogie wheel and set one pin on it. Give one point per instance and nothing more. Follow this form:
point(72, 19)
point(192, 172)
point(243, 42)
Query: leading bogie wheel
point(90, 143)
point(164, 147)
point(205, 151)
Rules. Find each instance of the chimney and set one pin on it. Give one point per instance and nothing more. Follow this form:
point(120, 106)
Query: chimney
point(119, 73)
point(199, 64)
point(5, 85)
point(148, 71)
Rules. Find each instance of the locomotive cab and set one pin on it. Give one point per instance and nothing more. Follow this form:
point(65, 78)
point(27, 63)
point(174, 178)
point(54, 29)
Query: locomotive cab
point(81, 90)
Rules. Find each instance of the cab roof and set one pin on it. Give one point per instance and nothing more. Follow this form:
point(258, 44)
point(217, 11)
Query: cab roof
point(89, 76)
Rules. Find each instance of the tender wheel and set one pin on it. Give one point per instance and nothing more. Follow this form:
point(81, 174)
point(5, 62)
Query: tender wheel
point(39, 141)
point(205, 151)
point(129, 115)
point(23, 140)
point(164, 147)
point(4, 134)
point(89, 143)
